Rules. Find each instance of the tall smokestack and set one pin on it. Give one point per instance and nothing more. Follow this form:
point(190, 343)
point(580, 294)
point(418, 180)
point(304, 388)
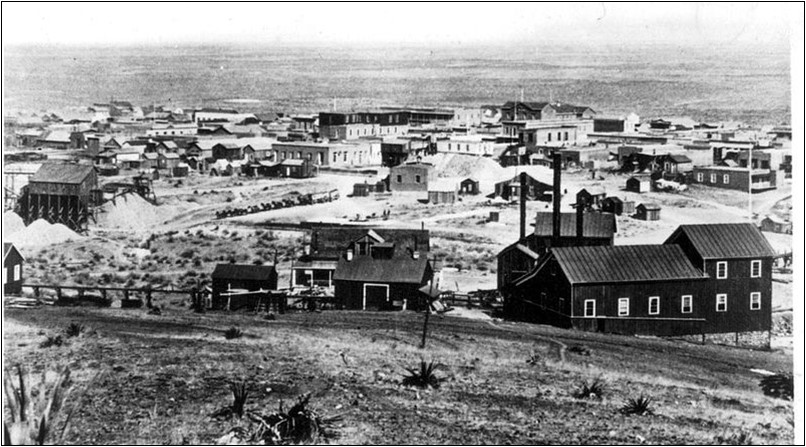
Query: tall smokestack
point(555, 216)
point(580, 217)
point(523, 206)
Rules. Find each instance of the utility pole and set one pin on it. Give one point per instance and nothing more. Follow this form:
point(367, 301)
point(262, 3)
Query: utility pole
point(750, 183)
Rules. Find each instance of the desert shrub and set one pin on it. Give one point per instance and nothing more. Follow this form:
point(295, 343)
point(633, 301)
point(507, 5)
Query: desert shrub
point(52, 340)
point(579, 350)
point(239, 395)
point(593, 390)
point(741, 437)
point(233, 333)
point(300, 425)
point(780, 385)
point(638, 406)
point(74, 330)
point(423, 377)
point(187, 254)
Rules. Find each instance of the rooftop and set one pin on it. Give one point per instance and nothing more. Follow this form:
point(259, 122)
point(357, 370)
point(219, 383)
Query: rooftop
point(243, 271)
point(70, 173)
point(594, 225)
point(722, 241)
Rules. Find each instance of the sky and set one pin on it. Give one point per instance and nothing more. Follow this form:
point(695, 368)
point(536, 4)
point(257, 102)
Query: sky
point(399, 23)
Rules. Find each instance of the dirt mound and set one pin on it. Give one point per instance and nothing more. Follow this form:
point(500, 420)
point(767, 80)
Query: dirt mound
point(483, 169)
point(130, 212)
point(12, 223)
point(41, 232)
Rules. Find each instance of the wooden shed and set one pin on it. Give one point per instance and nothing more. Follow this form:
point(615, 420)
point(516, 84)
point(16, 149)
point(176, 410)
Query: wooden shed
point(613, 205)
point(362, 189)
point(12, 269)
point(647, 211)
point(231, 280)
point(639, 183)
point(469, 186)
point(442, 191)
point(774, 224)
point(296, 168)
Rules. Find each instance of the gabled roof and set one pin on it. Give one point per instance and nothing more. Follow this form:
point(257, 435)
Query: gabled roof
point(594, 225)
point(398, 269)
point(151, 156)
point(593, 191)
point(529, 105)
point(625, 263)
point(70, 173)
point(170, 155)
point(169, 144)
point(228, 145)
point(649, 206)
point(243, 271)
point(725, 241)
point(292, 162)
point(7, 247)
point(57, 136)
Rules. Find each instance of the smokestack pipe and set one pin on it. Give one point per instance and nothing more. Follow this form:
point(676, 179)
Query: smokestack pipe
point(580, 217)
point(555, 216)
point(523, 206)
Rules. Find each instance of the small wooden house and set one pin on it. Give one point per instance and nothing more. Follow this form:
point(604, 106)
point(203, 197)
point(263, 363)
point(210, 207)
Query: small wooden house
point(149, 161)
point(639, 183)
point(469, 186)
point(296, 168)
point(591, 197)
point(774, 224)
point(231, 281)
point(628, 207)
point(12, 269)
point(167, 160)
point(442, 191)
point(362, 189)
point(647, 211)
point(180, 170)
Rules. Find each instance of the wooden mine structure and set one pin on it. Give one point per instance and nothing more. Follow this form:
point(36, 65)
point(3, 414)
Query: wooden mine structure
point(62, 193)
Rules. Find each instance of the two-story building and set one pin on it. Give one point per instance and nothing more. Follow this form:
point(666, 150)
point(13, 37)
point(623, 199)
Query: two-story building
point(354, 125)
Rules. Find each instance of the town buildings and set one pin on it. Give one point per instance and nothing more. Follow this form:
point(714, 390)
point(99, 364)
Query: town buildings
point(12, 269)
point(355, 125)
point(231, 281)
point(735, 178)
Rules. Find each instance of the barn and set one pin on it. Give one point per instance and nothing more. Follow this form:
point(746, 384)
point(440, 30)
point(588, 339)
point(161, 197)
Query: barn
point(12, 269)
point(614, 289)
point(231, 280)
point(387, 278)
point(647, 211)
point(639, 183)
point(59, 193)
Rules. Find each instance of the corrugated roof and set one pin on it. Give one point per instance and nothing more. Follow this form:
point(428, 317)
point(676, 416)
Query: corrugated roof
point(243, 271)
point(595, 225)
point(723, 241)
point(398, 269)
point(61, 173)
point(625, 263)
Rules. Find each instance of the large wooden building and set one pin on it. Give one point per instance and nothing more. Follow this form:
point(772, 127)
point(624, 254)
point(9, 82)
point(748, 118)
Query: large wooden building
point(705, 280)
point(59, 193)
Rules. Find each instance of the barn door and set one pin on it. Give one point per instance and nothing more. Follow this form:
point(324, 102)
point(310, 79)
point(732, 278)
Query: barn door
point(376, 296)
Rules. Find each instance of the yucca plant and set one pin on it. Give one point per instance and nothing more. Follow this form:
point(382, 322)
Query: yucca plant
point(299, 425)
point(232, 333)
point(639, 406)
point(779, 385)
point(239, 395)
point(32, 422)
point(423, 377)
point(52, 340)
point(593, 390)
point(74, 330)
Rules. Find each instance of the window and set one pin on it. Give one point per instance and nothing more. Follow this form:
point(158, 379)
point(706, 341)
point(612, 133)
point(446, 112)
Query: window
point(721, 270)
point(699, 177)
point(755, 269)
point(559, 136)
point(722, 302)
point(549, 136)
point(566, 136)
point(400, 179)
point(726, 179)
point(623, 307)
point(416, 179)
point(713, 178)
point(17, 272)
point(5, 275)
point(654, 305)
point(755, 300)
point(449, 146)
point(590, 308)
point(685, 304)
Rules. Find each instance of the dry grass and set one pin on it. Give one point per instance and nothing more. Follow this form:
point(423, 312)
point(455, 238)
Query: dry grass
point(172, 371)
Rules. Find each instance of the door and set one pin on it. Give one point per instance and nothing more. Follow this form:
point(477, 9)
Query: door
point(376, 296)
